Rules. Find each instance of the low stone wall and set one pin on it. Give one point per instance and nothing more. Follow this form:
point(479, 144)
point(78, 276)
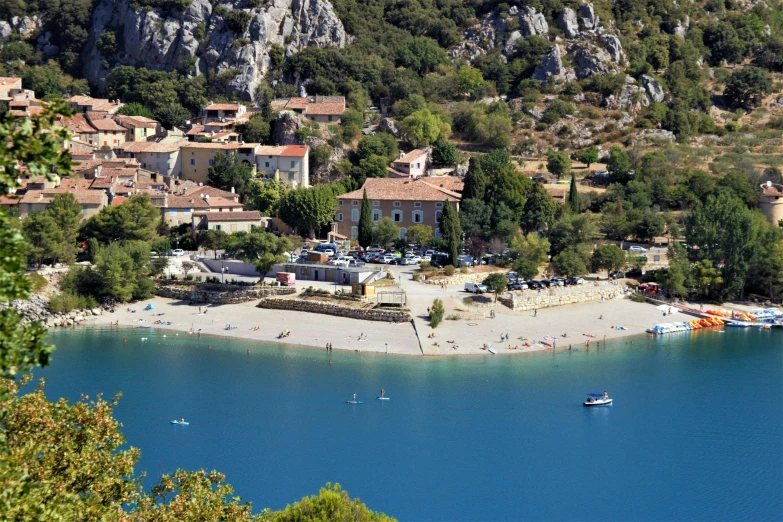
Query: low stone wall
point(546, 301)
point(219, 293)
point(321, 307)
point(457, 278)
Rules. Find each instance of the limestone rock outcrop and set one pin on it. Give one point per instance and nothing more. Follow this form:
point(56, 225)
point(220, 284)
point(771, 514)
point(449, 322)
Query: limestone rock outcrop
point(567, 23)
point(532, 22)
point(388, 126)
point(286, 125)
point(169, 40)
point(552, 67)
point(653, 88)
point(587, 17)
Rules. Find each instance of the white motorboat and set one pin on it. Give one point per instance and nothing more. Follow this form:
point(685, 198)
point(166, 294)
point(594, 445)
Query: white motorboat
point(598, 399)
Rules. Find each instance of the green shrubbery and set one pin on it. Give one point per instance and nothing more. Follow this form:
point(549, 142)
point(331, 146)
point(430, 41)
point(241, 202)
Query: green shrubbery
point(68, 301)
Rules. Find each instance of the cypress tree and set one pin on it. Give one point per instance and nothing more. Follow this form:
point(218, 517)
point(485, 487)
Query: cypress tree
point(573, 196)
point(451, 230)
point(365, 222)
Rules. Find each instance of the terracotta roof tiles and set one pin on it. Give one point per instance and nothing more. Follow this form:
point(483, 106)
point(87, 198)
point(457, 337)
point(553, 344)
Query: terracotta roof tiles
point(401, 189)
point(248, 215)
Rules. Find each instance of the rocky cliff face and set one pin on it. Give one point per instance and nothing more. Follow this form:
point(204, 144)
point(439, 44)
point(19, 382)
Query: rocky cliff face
point(201, 35)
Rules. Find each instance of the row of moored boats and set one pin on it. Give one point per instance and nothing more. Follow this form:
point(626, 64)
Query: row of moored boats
point(766, 318)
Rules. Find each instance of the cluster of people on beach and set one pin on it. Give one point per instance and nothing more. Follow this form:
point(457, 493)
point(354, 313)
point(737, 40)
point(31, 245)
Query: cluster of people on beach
point(362, 337)
point(255, 329)
point(284, 334)
point(329, 347)
point(229, 327)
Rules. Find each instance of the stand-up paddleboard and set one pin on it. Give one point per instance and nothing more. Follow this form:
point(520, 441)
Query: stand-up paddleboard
point(491, 350)
point(181, 423)
point(354, 402)
point(382, 398)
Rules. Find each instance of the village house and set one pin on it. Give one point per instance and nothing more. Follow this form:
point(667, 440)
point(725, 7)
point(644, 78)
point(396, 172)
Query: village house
point(198, 157)
point(178, 209)
point(407, 202)
point(40, 193)
point(413, 164)
point(83, 103)
point(320, 109)
point(223, 112)
point(290, 163)
point(164, 157)
point(138, 128)
point(109, 134)
point(229, 222)
point(9, 87)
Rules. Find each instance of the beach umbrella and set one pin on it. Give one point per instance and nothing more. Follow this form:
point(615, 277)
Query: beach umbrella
point(150, 306)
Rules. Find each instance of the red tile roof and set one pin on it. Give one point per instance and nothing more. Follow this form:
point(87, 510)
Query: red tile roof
point(325, 109)
point(118, 200)
point(412, 156)
point(78, 124)
point(222, 107)
point(150, 146)
point(401, 189)
point(295, 151)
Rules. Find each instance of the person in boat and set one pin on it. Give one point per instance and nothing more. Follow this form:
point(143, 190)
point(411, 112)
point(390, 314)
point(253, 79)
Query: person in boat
point(382, 392)
point(182, 419)
point(606, 395)
point(354, 396)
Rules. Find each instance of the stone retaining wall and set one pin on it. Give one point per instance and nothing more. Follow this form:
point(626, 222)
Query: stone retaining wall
point(457, 278)
point(321, 307)
point(547, 301)
point(220, 294)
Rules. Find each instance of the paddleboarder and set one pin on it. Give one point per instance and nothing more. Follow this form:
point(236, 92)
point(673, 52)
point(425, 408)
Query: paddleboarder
point(382, 392)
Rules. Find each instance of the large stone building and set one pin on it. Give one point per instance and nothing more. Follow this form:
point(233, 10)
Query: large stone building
point(771, 202)
point(164, 157)
point(407, 201)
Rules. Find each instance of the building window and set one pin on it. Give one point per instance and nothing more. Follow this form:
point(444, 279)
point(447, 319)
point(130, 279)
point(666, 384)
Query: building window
point(233, 227)
point(437, 232)
point(218, 227)
point(293, 164)
point(29, 208)
point(339, 216)
point(397, 204)
point(376, 215)
point(417, 204)
point(291, 176)
point(330, 117)
point(439, 205)
point(403, 233)
point(210, 162)
point(354, 232)
point(172, 211)
point(397, 216)
point(376, 203)
point(355, 203)
point(266, 164)
point(84, 210)
point(340, 202)
point(438, 213)
point(418, 216)
point(355, 214)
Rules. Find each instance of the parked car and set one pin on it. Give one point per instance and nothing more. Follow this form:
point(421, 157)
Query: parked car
point(616, 274)
point(356, 263)
point(177, 252)
point(426, 258)
point(544, 283)
point(637, 249)
point(475, 288)
point(557, 281)
point(340, 261)
point(387, 259)
point(518, 285)
point(634, 272)
point(575, 281)
point(512, 276)
point(465, 260)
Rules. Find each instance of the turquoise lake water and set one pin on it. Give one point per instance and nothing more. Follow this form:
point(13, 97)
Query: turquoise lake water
point(696, 431)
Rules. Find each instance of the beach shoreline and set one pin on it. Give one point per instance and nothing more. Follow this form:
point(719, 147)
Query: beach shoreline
point(585, 325)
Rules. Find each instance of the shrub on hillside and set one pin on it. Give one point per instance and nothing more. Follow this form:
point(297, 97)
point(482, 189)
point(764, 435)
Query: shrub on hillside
point(67, 301)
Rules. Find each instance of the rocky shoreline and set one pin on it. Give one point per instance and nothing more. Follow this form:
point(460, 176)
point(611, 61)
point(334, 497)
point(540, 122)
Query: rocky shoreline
point(37, 309)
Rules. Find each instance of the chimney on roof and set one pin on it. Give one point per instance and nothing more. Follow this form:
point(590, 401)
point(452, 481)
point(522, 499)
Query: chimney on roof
point(232, 190)
point(401, 154)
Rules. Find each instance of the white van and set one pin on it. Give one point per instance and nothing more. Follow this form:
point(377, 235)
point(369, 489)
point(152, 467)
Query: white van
point(475, 288)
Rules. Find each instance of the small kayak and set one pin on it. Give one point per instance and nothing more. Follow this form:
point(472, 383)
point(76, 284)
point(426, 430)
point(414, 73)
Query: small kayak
point(382, 398)
point(181, 423)
point(354, 402)
point(491, 350)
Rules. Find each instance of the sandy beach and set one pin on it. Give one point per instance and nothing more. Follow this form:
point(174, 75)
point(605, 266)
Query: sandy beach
point(581, 323)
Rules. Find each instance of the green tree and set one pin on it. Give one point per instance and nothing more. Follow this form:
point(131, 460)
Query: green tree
point(436, 313)
point(571, 230)
point(539, 210)
point(470, 81)
point(444, 153)
point(747, 87)
point(212, 240)
point(619, 165)
point(672, 279)
point(385, 232)
point(423, 128)
point(172, 115)
point(228, 171)
point(309, 209)
point(570, 262)
point(558, 163)
point(496, 283)
point(365, 222)
point(723, 43)
point(256, 130)
point(134, 109)
point(265, 196)
point(262, 249)
point(706, 277)
point(374, 166)
point(43, 237)
point(573, 196)
point(607, 257)
point(134, 220)
point(67, 214)
point(381, 144)
point(589, 156)
point(531, 251)
point(451, 230)
point(419, 234)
